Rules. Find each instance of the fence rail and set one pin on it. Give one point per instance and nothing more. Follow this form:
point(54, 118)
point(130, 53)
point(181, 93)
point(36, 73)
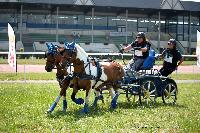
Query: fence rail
point(114, 54)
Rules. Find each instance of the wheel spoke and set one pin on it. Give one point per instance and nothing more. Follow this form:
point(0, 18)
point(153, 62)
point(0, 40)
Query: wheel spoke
point(173, 98)
point(169, 95)
point(149, 85)
point(173, 91)
point(152, 91)
point(170, 86)
point(166, 92)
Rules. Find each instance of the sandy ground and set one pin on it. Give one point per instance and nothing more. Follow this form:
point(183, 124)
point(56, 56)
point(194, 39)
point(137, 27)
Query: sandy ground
point(40, 68)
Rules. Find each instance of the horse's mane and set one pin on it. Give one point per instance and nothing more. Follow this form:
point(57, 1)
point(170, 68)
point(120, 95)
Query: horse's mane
point(81, 54)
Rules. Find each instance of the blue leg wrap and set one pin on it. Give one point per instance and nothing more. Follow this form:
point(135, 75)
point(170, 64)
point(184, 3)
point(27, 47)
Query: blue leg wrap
point(64, 105)
point(52, 107)
point(95, 101)
point(114, 102)
point(79, 101)
point(85, 109)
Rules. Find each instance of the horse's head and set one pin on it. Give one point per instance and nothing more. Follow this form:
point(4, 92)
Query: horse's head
point(69, 54)
point(51, 56)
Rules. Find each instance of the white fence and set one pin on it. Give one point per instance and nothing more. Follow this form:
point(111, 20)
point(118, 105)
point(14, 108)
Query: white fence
point(113, 54)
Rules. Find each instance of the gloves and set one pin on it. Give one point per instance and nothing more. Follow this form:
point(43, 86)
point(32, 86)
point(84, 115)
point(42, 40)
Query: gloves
point(121, 51)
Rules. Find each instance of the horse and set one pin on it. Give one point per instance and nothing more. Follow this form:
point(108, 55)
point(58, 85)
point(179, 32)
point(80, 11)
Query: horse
point(99, 74)
point(63, 75)
point(54, 56)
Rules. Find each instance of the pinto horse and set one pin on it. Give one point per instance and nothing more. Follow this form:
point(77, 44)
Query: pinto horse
point(98, 74)
point(54, 56)
point(63, 75)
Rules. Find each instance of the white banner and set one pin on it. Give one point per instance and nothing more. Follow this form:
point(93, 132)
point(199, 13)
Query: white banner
point(12, 51)
point(198, 48)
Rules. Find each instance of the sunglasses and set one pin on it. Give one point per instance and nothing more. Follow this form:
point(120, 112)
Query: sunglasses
point(170, 43)
point(138, 37)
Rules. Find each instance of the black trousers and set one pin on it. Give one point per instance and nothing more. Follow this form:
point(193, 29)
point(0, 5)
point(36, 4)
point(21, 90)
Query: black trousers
point(165, 72)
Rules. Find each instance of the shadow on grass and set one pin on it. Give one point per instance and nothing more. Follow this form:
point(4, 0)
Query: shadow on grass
point(78, 114)
point(102, 110)
point(137, 105)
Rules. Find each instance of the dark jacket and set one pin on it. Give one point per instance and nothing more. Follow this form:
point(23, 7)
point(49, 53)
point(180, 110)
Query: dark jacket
point(146, 44)
point(171, 57)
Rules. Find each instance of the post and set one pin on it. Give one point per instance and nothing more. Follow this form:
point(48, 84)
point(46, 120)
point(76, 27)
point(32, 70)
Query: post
point(92, 24)
point(57, 13)
point(21, 13)
point(158, 45)
point(189, 39)
point(126, 25)
point(25, 71)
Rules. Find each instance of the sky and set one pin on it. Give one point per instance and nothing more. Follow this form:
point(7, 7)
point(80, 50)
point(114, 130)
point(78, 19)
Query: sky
point(191, 0)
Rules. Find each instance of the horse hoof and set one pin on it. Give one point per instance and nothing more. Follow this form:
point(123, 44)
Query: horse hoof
point(101, 97)
point(48, 111)
point(113, 105)
point(79, 101)
point(84, 111)
point(94, 105)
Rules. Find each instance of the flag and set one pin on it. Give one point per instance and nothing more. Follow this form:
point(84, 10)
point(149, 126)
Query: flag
point(198, 48)
point(12, 51)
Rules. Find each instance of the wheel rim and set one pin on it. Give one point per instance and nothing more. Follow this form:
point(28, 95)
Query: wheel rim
point(148, 92)
point(169, 93)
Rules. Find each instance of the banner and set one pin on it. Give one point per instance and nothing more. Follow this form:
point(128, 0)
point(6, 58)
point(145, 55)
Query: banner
point(198, 48)
point(12, 51)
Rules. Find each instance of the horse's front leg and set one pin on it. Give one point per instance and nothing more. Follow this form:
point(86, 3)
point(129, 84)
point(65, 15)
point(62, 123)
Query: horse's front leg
point(52, 107)
point(85, 109)
point(78, 101)
point(97, 97)
point(75, 90)
point(64, 87)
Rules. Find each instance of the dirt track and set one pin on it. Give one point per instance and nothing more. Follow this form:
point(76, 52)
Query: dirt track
point(40, 68)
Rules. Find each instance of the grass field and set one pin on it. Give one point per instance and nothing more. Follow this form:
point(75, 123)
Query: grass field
point(23, 108)
point(52, 76)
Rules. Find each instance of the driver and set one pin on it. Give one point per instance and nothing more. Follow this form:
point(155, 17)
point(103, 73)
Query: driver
point(141, 49)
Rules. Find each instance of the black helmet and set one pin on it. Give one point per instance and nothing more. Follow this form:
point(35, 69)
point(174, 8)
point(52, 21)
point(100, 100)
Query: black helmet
point(172, 41)
point(142, 35)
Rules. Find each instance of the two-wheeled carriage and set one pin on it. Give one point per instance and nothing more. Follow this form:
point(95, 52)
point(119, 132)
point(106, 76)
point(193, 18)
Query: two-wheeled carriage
point(148, 84)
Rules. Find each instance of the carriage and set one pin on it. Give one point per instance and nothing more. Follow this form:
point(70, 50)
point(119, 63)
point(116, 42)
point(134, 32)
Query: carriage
point(147, 84)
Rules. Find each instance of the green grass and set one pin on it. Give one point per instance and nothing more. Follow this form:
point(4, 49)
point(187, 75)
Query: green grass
point(23, 108)
point(28, 76)
point(51, 76)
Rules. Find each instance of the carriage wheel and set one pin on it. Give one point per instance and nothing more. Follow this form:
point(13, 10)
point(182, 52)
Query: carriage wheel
point(132, 95)
point(148, 92)
point(169, 94)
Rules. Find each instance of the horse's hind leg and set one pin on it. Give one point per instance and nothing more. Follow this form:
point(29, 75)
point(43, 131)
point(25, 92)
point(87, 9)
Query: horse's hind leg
point(114, 96)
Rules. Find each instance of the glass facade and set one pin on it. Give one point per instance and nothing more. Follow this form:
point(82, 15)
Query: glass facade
point(177, 26)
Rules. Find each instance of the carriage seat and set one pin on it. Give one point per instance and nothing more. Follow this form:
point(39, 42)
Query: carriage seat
point(149, 61)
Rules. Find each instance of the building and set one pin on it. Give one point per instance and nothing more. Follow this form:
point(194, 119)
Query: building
point(101, 21)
